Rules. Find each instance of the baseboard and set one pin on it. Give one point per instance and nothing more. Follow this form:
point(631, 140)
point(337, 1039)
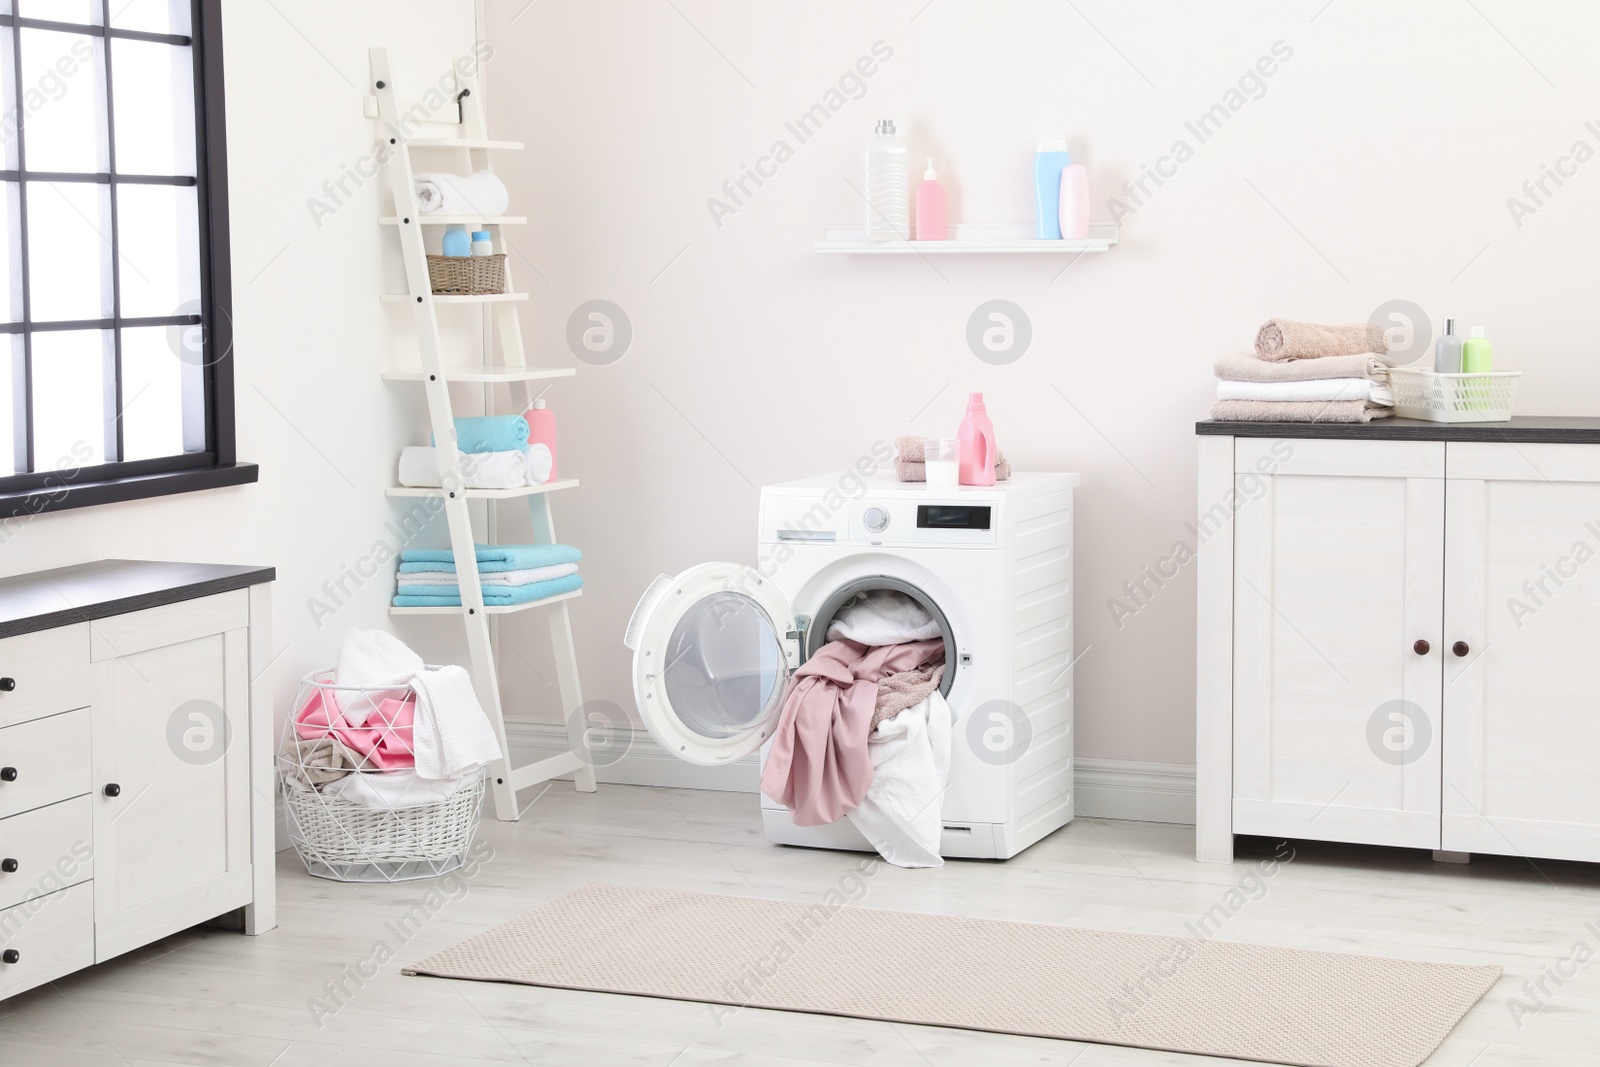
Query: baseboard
point(1106, 789)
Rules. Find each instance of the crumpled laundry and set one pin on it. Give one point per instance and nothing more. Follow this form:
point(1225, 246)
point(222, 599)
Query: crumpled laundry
point(320, 760)
point(818, 766)
point(900, 691)
point(382, 741)
point(902, 814)
point(453, 735)
point(883, 617)
point(402, 789)
point(371, 659)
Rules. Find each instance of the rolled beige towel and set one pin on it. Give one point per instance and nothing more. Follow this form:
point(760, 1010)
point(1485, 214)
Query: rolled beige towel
point(1280, 339)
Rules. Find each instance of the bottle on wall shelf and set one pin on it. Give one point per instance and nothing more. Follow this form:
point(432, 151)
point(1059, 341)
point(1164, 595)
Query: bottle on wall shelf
point(977, 447)
point(456, 242)
point(1075, 202)
point(888, 186)
point(541, 441)
point(482, 243)
point(930, 207)
point(1049, 160)
point(1447, 350)
point(1475, 353)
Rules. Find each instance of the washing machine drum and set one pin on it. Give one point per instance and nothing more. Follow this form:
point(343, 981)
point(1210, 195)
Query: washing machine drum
point(713, 649)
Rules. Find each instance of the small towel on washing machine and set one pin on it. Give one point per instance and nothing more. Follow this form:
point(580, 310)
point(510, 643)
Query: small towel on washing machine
point(902, 814)
point(883, 617)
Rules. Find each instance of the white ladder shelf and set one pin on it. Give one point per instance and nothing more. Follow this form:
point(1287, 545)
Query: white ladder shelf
point(505, 779)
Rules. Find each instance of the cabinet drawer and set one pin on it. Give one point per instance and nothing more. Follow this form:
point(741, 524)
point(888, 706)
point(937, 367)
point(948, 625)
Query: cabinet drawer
point(50, 848)
point(49, 759)
point(52, 936)
point(49, 672)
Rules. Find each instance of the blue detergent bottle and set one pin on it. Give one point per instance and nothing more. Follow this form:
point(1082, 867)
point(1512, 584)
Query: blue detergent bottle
point(1049, 160)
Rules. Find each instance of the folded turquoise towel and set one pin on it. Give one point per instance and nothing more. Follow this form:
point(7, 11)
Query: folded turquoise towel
point(491, 433)
point(450, 595)
point(490, 558)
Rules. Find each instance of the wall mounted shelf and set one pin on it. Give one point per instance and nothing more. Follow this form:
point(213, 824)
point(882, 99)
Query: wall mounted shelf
point(967, 239)
point(460, 220)
point(485, 375)
point(486, 494)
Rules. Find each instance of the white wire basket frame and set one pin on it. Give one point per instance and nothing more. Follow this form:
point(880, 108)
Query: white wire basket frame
point(397, 828)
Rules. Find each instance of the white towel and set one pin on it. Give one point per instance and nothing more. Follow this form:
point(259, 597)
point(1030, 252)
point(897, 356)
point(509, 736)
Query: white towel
point(451, 735)
point(1316, 389)
point(540, 463)
point(372, 658)
point(419, 467)
point(883, 617)
point(394, 789)
point(488, 578)
point(479, 193)
point(902, 813)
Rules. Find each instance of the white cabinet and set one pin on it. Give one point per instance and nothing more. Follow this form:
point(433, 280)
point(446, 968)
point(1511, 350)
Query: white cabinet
point(135, 767)
point(1396, 644)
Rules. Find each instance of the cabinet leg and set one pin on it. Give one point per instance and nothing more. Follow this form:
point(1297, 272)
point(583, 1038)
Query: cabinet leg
point(1445, 856)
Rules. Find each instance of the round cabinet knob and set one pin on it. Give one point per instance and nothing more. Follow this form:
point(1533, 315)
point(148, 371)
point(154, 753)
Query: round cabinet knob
point(875, 519)
point(1460, 648)
point(7, 685)
point(1421, 648)
point(8, 865)
point(8, 774)
point(113, 790)
point(10, 955)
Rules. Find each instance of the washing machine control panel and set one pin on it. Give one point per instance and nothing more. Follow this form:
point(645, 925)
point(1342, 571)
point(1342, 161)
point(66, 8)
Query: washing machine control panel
point(920, 521)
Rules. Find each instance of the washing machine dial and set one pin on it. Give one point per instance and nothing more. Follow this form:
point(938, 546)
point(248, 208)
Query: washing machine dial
point(875, 519)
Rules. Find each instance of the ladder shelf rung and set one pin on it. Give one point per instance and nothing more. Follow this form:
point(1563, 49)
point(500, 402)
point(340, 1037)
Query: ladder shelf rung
point(489, 609)
point(459, 220)
point(455, 298)
point(464, 142)
point(483, 375)
point(486, 494)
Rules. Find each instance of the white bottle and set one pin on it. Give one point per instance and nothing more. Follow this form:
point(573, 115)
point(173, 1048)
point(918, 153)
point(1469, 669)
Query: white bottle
point(888, 186)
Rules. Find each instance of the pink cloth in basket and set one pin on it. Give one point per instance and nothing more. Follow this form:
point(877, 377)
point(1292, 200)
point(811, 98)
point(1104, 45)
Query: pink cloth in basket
point(818, 766)
point(384, 742)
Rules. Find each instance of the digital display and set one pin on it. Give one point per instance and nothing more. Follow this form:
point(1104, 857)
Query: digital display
point(951, 517)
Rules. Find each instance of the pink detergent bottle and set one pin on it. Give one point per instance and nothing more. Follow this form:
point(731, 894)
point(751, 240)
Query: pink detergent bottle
point(542, 431)
point(978, 450)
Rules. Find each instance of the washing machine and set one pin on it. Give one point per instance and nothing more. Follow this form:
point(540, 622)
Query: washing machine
point(714, 647)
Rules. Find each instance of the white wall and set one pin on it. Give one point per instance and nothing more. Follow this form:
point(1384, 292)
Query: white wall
point(1375, 165)
point(311, 337)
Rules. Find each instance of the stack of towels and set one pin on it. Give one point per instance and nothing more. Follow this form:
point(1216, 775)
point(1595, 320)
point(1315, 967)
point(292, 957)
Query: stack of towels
point(507, 574)
point(494, 454)
point(1305, 372)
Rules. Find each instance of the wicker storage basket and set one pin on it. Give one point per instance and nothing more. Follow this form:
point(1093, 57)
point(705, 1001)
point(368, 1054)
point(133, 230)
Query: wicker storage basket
point(383, 840)
point(467, 275)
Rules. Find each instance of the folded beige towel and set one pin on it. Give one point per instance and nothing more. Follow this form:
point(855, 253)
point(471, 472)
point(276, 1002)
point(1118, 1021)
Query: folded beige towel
point(1297, 411)
point(900, 691)
point(908, 463)
point(1248, 367)
point(1280, 339)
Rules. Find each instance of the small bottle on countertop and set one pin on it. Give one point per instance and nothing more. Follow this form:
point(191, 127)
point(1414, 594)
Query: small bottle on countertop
point(1050, 158)
point(1447, 350)
point(1074, 202)
point(978, 450)
point(1475, 353)
point(482, 243)
point(456, 242)
point(930, 207)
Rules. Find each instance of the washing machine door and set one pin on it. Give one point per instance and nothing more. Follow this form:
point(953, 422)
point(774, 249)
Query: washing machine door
point(713, 649)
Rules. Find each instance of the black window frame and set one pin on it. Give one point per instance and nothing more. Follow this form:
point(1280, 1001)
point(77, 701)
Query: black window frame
point(217, 465)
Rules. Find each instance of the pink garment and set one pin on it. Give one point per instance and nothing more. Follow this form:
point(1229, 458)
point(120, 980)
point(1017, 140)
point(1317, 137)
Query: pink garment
point(818, 766)
point(384, 742)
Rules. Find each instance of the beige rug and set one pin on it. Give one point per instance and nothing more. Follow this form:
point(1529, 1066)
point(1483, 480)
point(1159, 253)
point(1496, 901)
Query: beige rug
point(1315, 1009)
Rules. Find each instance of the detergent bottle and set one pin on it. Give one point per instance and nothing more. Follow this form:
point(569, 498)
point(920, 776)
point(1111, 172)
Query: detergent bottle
point(978, 450)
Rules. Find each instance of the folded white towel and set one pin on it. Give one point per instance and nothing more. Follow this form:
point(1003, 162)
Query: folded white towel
point(451, 735)
point(419, 467)
point(488, 578)
point(394, 789)
point(479, 193)
point(372, 658)
point(902, 813)
point(1318, 389)
point(883, 617)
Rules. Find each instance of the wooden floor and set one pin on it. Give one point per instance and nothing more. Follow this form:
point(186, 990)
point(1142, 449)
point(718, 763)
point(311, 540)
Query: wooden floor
point(215, 997)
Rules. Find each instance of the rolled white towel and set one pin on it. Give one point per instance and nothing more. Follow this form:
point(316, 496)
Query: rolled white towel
point(540, 463)
point(479, 193)
point(1316, 390)
point(419, 468)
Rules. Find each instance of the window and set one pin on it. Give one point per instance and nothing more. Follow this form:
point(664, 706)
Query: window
point(114, 287)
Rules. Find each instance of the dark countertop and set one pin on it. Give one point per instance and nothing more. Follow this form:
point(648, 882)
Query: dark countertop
point(1523, 429)
point(66, 595)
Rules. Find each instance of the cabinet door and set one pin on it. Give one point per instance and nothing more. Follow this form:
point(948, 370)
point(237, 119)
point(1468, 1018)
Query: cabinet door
point(171, 786)
point(1338, 560)
point(1523, 597)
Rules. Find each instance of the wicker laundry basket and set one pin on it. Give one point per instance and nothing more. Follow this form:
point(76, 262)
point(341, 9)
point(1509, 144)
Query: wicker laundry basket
point(386, 840)
point(467, 275)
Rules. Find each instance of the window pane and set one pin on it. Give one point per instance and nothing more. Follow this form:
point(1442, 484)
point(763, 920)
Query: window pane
point(10, 366)
point(151, 16)
point(83, 12)
point(68, 398)
point(69, 250)
point(63, 102)
point(153, 85)
point(152, 394)
point(159, 246)
point(11, 259)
